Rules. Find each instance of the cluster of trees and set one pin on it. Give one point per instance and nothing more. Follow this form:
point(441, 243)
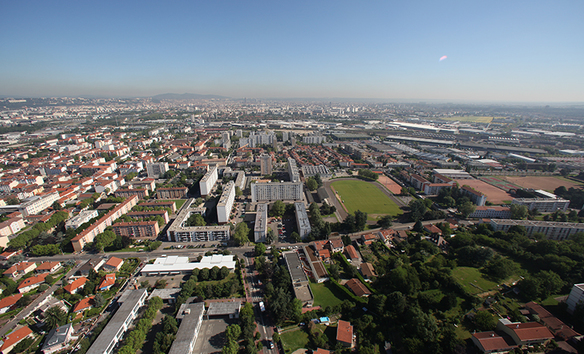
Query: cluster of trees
point(278, 294)
point(89, 201)
point(326, 209)
point(135, 339)
point(248, 326)
point(193, 287)
point(232, 334)
point(163, 339)
point(421, 209)
point(574, 195)
point(320, 228)
point(559, 215)
point(314, 182)
point(206, 274)
point(127, 218)
point(368, 175)
point(355, 222)
point(278, 209)
point(241, 234)
point(453, 197)
point(25, 238)
point(196, 220)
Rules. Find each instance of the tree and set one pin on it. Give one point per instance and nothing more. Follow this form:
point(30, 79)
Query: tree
point(160, 284)
point(360, 220)
point(260, 249)
point(467, 208)
point(385, 222)
point(12, 201)
point(98, 301)
point(270, 237)
point(54, 317)
point(24, 301)
point(278, 209)
point(241, 234)
point(296, 237)
point(238, 192)
point(349, 223)
point(56, 206)
point(417, 209)
point(204, 274)
point(518, 211)
point(311, 184)
point(485, 321)
point(214, 273)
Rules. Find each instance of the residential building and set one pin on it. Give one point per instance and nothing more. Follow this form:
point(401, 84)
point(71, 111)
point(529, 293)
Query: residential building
point(157, 169)
point(178, 232)
point(493, 342)
point(48, 267)
point(191, 317)
point(92, 264)
point(32, 205)
point(313, 139)
point(107, 282)
point(551, 229)
point(293, 170)
point(83, 304)
point(150, 213)
point(58, 339)
point(160, 204)
point(352, 253)
point(171, 193)
point(126, 193)
point(336, 245)
point(266, 165)
point(114, 264)
point(260, 228)
point(491, 212)
point(19, 269)
point(14, 338)
point(80, 219)
point(8, 302)
point(543, 205)
point(266, 192)
point(368, 271)
point(225, 203)
point(345, 333)
point(576, 297)
point(357, 288)
point(31, 283)
point(208, 181)
point(11, 227)
point(475, 196)
point(302, 222)
point(87, 235)
point(139, 229)
point(74, 286)
point(131, 302)
point(529, 333)
point(300, 283)
point(311, 171)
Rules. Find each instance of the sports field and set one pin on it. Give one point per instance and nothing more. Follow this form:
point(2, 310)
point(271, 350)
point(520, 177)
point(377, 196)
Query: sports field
point(364, 196)
point(494, 194)
point(546, 183)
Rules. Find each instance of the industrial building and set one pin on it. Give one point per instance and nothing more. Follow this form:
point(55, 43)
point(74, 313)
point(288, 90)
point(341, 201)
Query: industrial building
point(302, 221)
point(208, 181)
point(261, 223)
point(266, 192)
point(225, 203)
point(311, 171)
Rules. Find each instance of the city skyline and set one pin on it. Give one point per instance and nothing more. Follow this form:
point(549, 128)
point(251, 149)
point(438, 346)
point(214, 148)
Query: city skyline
point(513, 52)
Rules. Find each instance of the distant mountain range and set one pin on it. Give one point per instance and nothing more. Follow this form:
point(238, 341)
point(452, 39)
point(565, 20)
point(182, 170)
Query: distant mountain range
point(185, 96)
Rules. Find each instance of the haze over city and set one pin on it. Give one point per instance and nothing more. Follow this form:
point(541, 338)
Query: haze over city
point(497, 51)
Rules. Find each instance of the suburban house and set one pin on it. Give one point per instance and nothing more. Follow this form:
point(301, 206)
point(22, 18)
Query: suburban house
point(345, 333)
point(336, 245)
point(83, 304)
point(357, 287)
point(368, 271)
point(58, 338)
point(6, 255)
point(48, 267)
point(19, 269)
point(14, 338)
point(75, 285)
point(113, 264)
point(352, 253)
point(8, 302)
point(31, 283)
point(107, 282)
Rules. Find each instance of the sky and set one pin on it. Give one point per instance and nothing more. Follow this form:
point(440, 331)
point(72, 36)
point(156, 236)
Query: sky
point(522, 51)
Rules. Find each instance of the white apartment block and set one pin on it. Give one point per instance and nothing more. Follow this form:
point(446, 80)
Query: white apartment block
point(497, 212)
point(38, 203)
point(543, 205)
point(261, 223)
point(156, 169)
point(179, 232)
point(80, 219)
point(208, 181)
point(576, 297)
point(293, 170)
point(266, 192)
point(302, 221)
point(313, 139)
point(266, 164)
point(226, 203)
point(551, 229)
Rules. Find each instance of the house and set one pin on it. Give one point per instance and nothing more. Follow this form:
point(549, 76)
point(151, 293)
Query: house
point(367, 270)
point(433, 229)
point(357, 288)
point(368, 239)
point(58, 338)
point(336, 245)
point(19, 269)
point(83, 304)
point(107, 282)
point(75, 285)
point(48, 267)
point(387, 235)
point(352, 253)
point(31, 283)
point(554, 324)
point(322, 351)
point(94, 264)
point(113, 264)
point(492, 342)
point(14, 338)
point(345, 333)
point(6, 255)
point(529, 333)
point(8, 302)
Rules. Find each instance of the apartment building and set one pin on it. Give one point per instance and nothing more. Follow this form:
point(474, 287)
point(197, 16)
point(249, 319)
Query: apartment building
point(149, 213)
point(260, 228)
point(157, 169)
point(125, 193)
point(139, 229)
point(293, 170)
point(80, 219)
point(302, 222)
point(544, 205)
point(171, 193)
point(266, 192)
point(208, 181)
point(266, 164)
point(491, 212)
point(551, 229)
point(225, 203)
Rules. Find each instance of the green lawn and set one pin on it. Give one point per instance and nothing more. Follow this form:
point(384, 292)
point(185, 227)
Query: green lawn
point(364, 196)
point(179, 203)
point(294, 340)
point(326, 295)
point(469, 275)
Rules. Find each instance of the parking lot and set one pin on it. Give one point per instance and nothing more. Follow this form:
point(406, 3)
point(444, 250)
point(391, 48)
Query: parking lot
point(211, 337)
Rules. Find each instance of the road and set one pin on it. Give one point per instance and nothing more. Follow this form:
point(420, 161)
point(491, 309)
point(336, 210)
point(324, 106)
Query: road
point(29, 309)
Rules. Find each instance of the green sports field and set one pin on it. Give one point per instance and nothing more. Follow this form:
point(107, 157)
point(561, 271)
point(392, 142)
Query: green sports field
point(364, 196)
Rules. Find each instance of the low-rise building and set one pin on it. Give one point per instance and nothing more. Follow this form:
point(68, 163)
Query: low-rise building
point(491, 212)
point(107, 282)
point(94, 263)
point(58, 339)
point(48, 267)
point(150, 213)
point(357, 288)
point(191, 318)
point(302, 222)
point(139, 229)
point(171, 193)
point(11, 226)
point(14, 338)
point(127, 193)
point(181, 265)
point(576, 297)
point(529, 333)
point(83, 304)
point(345, 334)
point(19, 269)
point(31, 283)
point(8, 302)
point(80, 219)
point(74, 286)
point(543, 205)
point(113, 264)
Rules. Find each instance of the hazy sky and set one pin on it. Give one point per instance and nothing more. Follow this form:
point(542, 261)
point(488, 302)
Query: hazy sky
point(497, 50)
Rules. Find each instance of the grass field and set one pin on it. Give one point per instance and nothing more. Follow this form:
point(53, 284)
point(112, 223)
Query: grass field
point(469, 275)
point(179, 203)
point(364, 196)
point(326, 295)
point(294, 340)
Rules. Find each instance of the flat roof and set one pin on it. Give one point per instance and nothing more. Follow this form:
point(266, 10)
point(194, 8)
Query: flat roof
point(131, 298)
point(182, 264)
point(189, 325)
point(223, 308)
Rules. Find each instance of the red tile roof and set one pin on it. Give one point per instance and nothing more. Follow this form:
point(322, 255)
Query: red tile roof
point(344, 332)
point(15, 337)
point(352, 252)
point(47, 265)
point(491, 341)
point(114, 262)
point(357, 287)
point(108, 280)
point(83, 304)
point(75, 284)
point(32, 280)
point(10, 300)
point(530, 331)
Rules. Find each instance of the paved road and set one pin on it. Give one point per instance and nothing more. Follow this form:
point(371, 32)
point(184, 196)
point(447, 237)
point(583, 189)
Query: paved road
point(28, 310)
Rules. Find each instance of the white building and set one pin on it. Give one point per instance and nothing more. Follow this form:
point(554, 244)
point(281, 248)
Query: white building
point(261, 223)
point(551, 229)
point(498, 212)
point(80, 219)
point(156, 169)
point(191, 318)
point(33, 205)
point(544, 205)
point(181, 265)
point(321, 170)
point(576, 297)
point(208, 181)
point(225, 203)
point(313, 139)
point(293, 170)
point(266, 164)
point(302, 221)
point(266, 192)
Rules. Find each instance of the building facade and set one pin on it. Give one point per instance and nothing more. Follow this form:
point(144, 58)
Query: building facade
point(208, 181)
point(157, 169)
point(225, 203)
point(260, 228)
point(302, 222)
point(265, 192)
point(543, 205)
point(551, 229)
point(171, 193)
